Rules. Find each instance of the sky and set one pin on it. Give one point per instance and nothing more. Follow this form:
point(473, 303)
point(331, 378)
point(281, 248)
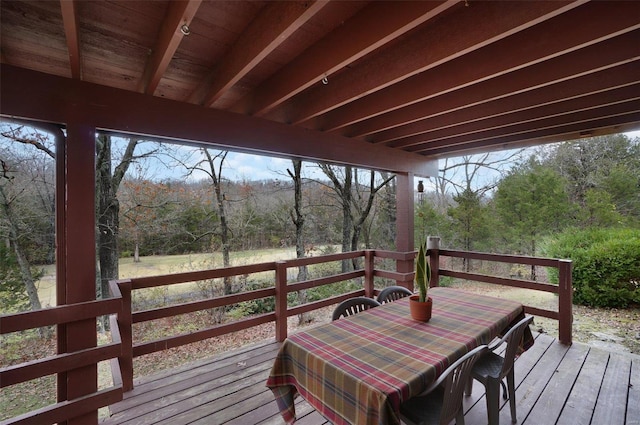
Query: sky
point(242, 166)
point(248, 167)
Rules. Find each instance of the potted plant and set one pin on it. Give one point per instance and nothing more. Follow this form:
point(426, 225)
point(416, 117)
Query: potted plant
point(420, 305)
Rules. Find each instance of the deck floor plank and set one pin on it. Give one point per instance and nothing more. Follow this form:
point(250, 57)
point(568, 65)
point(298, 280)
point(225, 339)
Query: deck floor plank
point(555, 384)
point(633, 411)
point(579, 407)
point(548, 407)
point(614, 390)
point(529, 390)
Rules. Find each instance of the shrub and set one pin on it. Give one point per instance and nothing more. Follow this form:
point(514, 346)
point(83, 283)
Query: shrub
point(606, 265)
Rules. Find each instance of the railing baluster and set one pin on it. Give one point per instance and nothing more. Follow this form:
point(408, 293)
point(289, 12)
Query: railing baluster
point(433, 249)
point(565, 302)
point(281, 301)
point(369, 256)
point(125, 323)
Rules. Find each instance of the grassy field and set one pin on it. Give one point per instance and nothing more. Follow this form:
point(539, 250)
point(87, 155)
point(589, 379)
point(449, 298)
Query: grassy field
point(167, 264)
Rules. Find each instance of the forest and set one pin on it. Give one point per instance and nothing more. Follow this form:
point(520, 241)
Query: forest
point(158, 198)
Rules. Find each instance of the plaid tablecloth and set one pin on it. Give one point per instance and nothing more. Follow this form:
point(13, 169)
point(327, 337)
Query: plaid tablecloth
point(357, 370)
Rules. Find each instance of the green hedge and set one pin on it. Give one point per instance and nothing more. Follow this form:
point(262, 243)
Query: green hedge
point(606, 265)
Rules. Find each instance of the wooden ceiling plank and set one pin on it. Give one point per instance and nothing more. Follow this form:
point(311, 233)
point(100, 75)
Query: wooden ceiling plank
point(608, 54)
point(516, 118)
point(376, 25)
point(61, 100)
point(586, 85)
point(276, 22)
point(179, 13)
point(71, 32)
point(631, 106)
point(598, 21)
point(571, 131)
point(449, 37)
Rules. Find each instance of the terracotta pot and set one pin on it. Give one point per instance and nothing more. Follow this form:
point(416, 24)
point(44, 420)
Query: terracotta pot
point(420, 310)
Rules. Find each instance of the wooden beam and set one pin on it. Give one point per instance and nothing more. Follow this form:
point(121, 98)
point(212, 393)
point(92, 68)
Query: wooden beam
point(575, 130)
point(179, 13)
point(444, 39)
point(275, 23)
point(534, 117)
point(373, 27)
point(598, 22)
point(61, 100)
point(599, 57)
point(625, 108)
point(585, 85)
point(70, 22)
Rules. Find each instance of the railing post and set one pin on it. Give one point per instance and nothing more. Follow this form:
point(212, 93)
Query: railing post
point(369, 256)
point(433, 249)
point(281, 300)
point(565, 302)
point(125, 324)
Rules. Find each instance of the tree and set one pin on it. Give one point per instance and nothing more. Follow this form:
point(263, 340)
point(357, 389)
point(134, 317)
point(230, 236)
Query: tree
point(211, 165)
point(356, 201)
point(26, 207)
point(531, 201)
point(298, 219)
point(13, 297)
point(108, 181)
point(463, 188)
point(609, 164)
point(470, 218)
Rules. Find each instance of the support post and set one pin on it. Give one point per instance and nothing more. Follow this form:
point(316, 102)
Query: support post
point(404, 222)
point(80, 256)
point(433, 249)
point(369, 256)
point(281, 301)
point(565, 302)
point(125, 324)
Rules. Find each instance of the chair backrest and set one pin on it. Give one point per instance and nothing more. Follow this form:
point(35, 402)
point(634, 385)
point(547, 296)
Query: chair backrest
point(513, 338)
point(455, 378)
point(353, 306)
point(393, 293)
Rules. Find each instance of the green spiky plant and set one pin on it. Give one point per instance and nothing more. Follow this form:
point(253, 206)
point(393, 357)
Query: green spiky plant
point(423, 272)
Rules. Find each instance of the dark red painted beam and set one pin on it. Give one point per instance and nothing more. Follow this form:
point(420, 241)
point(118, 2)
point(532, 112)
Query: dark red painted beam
point(530, 118)
point(595, 58)
point(33, 95)
point(586, 85)
point(561, 35)
point(457, 32)
point(376, 25)
point(585, 124)
point(273, 26)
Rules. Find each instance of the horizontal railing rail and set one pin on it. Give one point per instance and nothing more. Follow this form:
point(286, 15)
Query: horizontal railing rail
point(63, 362)
point(564, 289)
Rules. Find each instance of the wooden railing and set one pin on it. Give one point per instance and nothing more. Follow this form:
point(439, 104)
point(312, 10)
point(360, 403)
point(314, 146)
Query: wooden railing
point(123, 349)
point(64, 362)
point(564, 289)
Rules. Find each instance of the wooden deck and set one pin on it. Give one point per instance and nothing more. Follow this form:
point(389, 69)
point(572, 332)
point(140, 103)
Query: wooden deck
point(555, 385)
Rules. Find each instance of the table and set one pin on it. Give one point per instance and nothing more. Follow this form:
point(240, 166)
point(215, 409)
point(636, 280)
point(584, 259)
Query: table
point(359, 369)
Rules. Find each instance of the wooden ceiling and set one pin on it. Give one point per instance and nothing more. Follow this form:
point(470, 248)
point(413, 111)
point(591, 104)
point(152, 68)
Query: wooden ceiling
point(430, 78)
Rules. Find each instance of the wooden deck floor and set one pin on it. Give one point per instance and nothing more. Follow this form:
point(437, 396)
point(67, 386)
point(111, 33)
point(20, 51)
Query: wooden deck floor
point(555, 385)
